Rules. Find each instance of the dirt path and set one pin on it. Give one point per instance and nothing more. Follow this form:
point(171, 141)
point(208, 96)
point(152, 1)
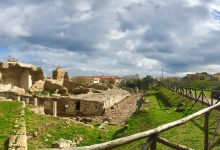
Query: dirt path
point(123, 110)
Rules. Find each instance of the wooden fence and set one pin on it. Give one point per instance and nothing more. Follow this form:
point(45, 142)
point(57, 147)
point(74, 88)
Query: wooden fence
point(194, 93)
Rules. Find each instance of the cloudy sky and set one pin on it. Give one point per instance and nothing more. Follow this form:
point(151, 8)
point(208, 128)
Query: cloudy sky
point(112, 37)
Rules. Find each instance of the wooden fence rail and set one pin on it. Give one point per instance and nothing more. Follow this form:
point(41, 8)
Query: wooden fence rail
point(195, 93)
point(153, 134)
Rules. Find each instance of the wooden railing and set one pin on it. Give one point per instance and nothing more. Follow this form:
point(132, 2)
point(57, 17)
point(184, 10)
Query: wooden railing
point(153, 135)
point(194, 93)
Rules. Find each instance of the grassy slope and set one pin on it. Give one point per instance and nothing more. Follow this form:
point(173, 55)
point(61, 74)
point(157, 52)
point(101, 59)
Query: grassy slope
point(161, 110)
point(8, 113)
point(51, 128)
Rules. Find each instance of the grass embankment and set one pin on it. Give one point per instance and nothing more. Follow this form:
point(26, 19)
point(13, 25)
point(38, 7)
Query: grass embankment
point(50, 129)
point(8, 114)
point(161, 109)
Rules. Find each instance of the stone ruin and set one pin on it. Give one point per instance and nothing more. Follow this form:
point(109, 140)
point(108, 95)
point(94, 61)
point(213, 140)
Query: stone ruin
point(18, 75)
point(28, 81)
point(60, 75)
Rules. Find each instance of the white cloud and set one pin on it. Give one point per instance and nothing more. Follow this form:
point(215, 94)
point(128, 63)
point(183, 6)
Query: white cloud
point(13, 21)
point(193, 3)
point(115, 34)
point(211, 68)
point(129, 36)
point(148, 64)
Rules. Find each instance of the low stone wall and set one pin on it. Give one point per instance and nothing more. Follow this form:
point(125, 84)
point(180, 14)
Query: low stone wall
point(19, 139)
point(115, 98)
point(91, 105)
point(67, 106)
point(70, 85)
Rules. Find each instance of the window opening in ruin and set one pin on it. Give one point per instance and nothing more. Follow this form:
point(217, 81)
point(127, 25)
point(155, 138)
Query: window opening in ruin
point(77, 105)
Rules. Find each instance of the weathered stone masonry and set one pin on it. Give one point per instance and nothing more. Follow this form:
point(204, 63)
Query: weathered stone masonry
point(82, 105)
point(20, 75)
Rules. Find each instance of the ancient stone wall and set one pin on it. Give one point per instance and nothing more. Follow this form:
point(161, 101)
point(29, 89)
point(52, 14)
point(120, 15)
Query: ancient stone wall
point(71, 85)
point(11, 76)
point(68, 106)
point(38, 86)
point(37, 74)
point(60, 74)
point(26, 79)
point(54, 85)
point(91, 105)
point(20, 75)
point(114, 99)
point(85, 81)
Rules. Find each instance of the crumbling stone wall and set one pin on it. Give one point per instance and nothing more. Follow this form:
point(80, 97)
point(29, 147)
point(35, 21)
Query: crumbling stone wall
point(71, 85)
point(38, 86)
point(20, 75)
point(53, 85)
point(60, 75)
point(66, 106)
point(92, 107)
point(84, 105)
point(26, 79)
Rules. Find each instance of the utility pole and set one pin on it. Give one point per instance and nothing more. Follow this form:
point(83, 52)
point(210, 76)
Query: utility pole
point(162, 74)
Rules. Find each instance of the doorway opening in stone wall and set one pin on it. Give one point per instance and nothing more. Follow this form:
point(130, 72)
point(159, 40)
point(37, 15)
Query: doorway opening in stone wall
point(77, 105)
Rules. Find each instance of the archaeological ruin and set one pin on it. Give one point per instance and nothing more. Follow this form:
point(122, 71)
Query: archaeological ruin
point(18, 74)
point(57, 95)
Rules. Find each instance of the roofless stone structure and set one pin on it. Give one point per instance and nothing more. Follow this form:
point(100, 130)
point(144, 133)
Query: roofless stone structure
point(26, 82)
point(19, 74)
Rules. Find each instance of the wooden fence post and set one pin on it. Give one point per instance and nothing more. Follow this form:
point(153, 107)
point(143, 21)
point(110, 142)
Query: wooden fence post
point(195, 95)
point(212, 99)
point(202, 92)
point(154, 142)
point(206, 131)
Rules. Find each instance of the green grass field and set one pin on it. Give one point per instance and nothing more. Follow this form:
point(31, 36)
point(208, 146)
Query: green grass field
point(50, 129)
point(8, 113)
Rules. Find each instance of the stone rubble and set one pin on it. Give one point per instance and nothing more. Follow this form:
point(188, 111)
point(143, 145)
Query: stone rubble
point(63, 143)
point(37, 110)
point(103, 125)
point(38, 86)
point(53, 85)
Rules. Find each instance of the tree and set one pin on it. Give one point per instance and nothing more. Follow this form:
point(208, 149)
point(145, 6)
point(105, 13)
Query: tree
point(147, 82)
